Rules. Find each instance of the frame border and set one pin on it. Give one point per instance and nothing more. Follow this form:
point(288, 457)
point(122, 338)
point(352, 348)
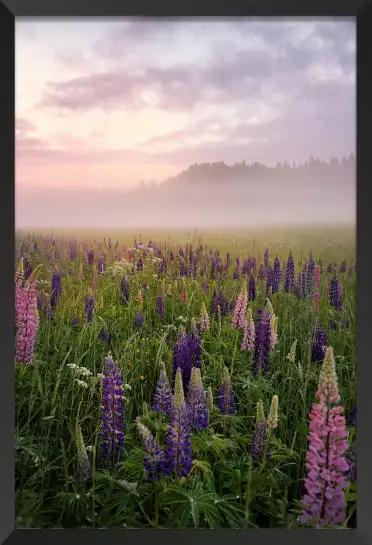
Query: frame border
point(362, 10)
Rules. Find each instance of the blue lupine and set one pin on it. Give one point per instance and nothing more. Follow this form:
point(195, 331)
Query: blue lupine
point(319, 344)
point(335, 300)
point(252, 289)
point(310, 276)
point(276, 275)
point(290, 275)
point(124, 291)
point(262, 342)
point(153, 460)
point(112, 413)
point(351, 419)
point(104, 335)
point(194, 342)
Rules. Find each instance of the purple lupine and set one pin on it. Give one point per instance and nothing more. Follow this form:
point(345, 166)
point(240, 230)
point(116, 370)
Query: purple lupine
point(303, 282)
point(89, 307)
point(104, 335)
point(75, 320)
point(269, 280)
point(351, 419)
point(262, 342)
point(219, 301)
point(225, 396)
point(90, 257)
point(319, 345)
point(204, 286)
point(276, 275)
point(139, 265)
point(261, 272)
point(324, 501)
point(197, 409)
point(343, 267)
point(351, 472)
point(182, 359)
point(259, 439)
point(112, 412)
point(28, 323)
point(163, 399)
point(329, 268)
point(238, 269)
point(310, 276)
point(83, 469)
point(335, 294)
point(162, 267)
point(252, 289)
point(72, 252)
point(102, 264)
point(124, 291)
point(160, 306)
point(194, 342)
point(266, 259)
point(27, 268)
point(178, 453)
point(139, 319)
point(19, 300)
point(56, 288)
point(290, 274)
point(153, 460)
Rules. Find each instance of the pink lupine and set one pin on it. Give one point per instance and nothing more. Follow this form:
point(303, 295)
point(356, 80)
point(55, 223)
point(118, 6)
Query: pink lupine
point(238, 321)
point(324, 503)
point(26, 334)
point(19, 302)
point(317, 277)
point(249, 333)
point(316, 300)
point(204, 319)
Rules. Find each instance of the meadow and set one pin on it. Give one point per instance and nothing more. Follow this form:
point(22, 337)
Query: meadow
point(167, 381)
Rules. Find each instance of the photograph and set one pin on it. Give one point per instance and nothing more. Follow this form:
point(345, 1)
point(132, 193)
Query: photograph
point(185, 273)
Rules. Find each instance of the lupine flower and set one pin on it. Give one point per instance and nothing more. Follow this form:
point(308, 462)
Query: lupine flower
point(272, 420)
point(252, 289)
point(302, 280)
point(19, 300)
point(204, 286)
point(209, 399)
point(259, 440)
point(124, 291)
point(334, 294)
point(351, 472)
point(160, 306)
point(329, 268)
point(324, 503)
point(310, 276)
point(225, 397)
point(351, 420)
point(240, 309)
point(28, 323)
point(178, 452)
point(89, 306)
point(269, 281)
point(194, 342)
point(261, 272)
point(27, 268)
point(292, 353)
point(262, 342)
point(112, 410)
point(90, 257)
point(204, 319)
point(249, 332)
point(163, 399)
point(139, 265)
point(104, 335)
point(319, 345)
point(182, 358)
point(276, 275)
point(219, 301)
point(273, 324)
point(154, 456)
point(139, 319)
point(56, 288)
point(266, 258)
point(290, 274)
point(197, 409)
point(83, 469)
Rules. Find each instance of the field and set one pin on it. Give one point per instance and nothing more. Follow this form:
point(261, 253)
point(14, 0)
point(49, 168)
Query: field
point(95, 448)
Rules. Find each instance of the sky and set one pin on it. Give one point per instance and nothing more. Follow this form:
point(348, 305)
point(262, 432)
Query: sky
point(102, 104)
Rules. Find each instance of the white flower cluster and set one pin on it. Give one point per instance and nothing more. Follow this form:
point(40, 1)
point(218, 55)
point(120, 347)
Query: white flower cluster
point(81, 383)
point(80, 371)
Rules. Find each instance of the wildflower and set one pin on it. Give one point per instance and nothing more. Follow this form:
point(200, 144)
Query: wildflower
point(197, 404)
point(225, 398)
point(112, 410)
point(56, 288)
point(317, 277)
point(81, 383)
point(182, 358)
point(204, 286)
point(351, 420)
point(272, 421)
point(28, 320)
point(209, 399)
point(310, 276)
point(290, 274)
point(240, 309)
point(89, 306)
point(204, 319)
point(262, 342)
point(19, 299)
point(335, 300)
point(75, 320)
point(259, 440)
point(104, 335)
point(178, 450)
point(249, 332)
point(316, 300)
point(163, 400)
point(266, 258)
point(160, 306)
point(324, 501)
point(194, 342)
point(276, 275)
point(319, 344)
point(183, 297)
point(139, 319)
point(83, 469)
point(142, 377)
point(292, 353)
point(252, 289)
point(154, 457)
point(261, 272)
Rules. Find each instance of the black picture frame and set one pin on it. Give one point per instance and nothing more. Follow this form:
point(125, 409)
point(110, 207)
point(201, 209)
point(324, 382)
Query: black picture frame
point(362, 11)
